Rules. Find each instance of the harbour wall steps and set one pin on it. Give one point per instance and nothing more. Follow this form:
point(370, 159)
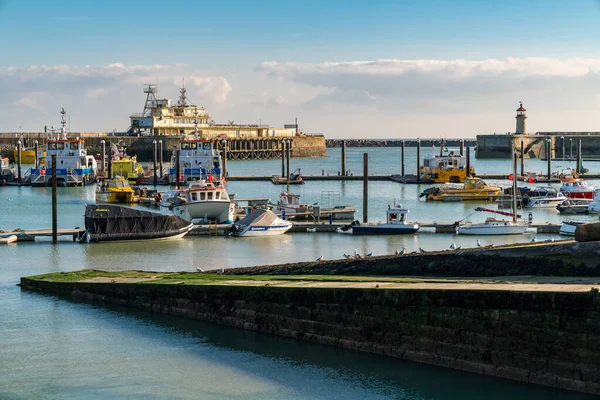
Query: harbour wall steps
point(546, 334)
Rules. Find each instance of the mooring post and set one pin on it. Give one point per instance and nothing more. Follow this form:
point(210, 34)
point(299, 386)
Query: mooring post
point(468, 161)
point(19, 162)
point(224, 155)
point(289, 155)
point(549, 151)
point(514, 188)
point(419, 161)
point(579, 156)
point(343, 158)
point(522, 158)
point(283, 158)
point(154, 162)
point(365, 186)
point(54, 208)
point(103, 159)
point(177, 169)
point(109, 161)
point(462, 147)
point(402, 157)
point(160, 158)
point(35, 149)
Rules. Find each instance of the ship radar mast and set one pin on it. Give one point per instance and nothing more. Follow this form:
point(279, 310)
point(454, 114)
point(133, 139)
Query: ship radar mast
point(183, 101)
point(63, 122)
point(151, 101)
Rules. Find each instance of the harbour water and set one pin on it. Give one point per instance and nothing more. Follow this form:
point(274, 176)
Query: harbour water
point(52, 348)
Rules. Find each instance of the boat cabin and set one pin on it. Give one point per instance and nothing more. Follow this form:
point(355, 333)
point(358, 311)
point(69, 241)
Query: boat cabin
point(288, 199)
point(396, 215)
point(444, 168)
point(199, 159)
point(73, 165)
point(4, 163)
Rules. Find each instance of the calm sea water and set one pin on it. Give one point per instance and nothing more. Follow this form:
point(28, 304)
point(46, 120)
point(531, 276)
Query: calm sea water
point(52, 348)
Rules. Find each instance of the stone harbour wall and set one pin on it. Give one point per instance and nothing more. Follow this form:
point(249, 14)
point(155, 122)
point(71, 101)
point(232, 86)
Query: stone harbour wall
point(546, 338)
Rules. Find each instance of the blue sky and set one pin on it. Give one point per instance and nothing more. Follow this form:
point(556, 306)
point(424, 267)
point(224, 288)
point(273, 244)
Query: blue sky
point(224, 44)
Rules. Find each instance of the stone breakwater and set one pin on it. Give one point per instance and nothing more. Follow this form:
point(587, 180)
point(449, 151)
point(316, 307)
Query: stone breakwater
point(397, 142)
point(546, 338)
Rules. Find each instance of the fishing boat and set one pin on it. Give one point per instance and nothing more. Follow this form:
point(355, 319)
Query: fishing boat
point(447, 167)
point(574, 206)
point(259, 222)
point(110, 222)
point(199, 159)
point(573, 186)
point(542, 197)
point(28, 155)
point(295, 179)
point(472, 189)
point(7, 174)
point(395, 224)
point(115, 191)
point(74, 167)
point(290, 206)
point(201, 200)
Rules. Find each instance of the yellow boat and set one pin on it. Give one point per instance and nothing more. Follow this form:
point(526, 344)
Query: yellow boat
point(115, 191)
point(28, 156)
point(472, 189)
point(127, 167)
point(446, 168)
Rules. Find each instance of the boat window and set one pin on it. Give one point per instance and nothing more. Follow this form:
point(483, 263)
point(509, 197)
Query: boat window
point(60, 146)
point(194, 196)
point(51, 146)
point(203, 196)
point(193, 146)
point(74, 145)
point(217, 195)
point(207, 146)
point(209, 196)
point(426, 163)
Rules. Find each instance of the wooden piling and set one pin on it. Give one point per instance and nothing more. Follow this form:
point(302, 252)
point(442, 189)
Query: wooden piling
point(54, 203)
point(177, 168)
point(36, 160)
point(19, 179)
point(549, 155)
point(109, 160)
point(343, 158)
point(365, 187)
point(418, 161)
point(402, 158)
point(224, 156)
point(289, 155)
point(154, 163)
point(578, 169)
point(468, 161)
point(282, 157)
point(160, 158)
point(462, 147)
point(103, 160)
point(522, 158)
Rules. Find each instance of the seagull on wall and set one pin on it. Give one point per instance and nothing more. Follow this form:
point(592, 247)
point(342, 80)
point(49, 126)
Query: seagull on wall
point(320, 258)
point(478, 243)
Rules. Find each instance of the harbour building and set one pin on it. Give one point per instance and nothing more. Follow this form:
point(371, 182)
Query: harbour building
point(161, 117)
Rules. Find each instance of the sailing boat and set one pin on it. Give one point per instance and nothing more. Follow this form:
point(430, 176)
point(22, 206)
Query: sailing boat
point(493, 225)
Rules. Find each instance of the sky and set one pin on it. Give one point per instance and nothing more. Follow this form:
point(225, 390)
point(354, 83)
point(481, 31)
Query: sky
point(348, 69)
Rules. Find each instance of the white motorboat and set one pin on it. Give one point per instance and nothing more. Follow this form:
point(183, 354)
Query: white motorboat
point(594, 206)
point(200, 202)
point(259, 222)
point(290, 206)
point(542, 197)
point(574, 206)
point(568, 228)
point(396, 224)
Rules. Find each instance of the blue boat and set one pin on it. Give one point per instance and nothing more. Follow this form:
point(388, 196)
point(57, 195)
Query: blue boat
point(395, 224)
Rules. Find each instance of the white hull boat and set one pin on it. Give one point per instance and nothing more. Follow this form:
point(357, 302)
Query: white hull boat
point(201, 201)
point(493, 227)
point(259, 223)
point(568, 228)
point(542, 197)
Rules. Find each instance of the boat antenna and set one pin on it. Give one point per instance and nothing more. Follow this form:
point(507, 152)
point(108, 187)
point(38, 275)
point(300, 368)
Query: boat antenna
point(196, 123)
point(63, 122)
point(514, 199)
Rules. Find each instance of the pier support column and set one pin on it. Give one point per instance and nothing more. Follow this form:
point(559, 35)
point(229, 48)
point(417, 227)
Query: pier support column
point(419, 161)
point(282, 158)
point(154, 148)
point(522, 158)
point(35, 149)
point(402, 158)
point(365, 187)
point(54, 202)
point(160, 157)
point(19, 162)
point(343, 158)
point(103, 158)
point(224, 156)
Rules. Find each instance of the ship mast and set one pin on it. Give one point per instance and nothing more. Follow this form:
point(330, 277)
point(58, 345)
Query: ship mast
point(63, 122)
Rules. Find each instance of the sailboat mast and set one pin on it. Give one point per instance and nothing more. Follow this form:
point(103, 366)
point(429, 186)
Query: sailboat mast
point(514, 199)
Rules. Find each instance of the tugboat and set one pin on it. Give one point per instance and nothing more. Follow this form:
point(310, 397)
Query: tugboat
point(74, 166)
point(447, 167)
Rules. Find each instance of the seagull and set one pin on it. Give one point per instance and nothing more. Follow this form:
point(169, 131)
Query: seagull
point(346, 256)
point(402, 251)
point(453, 246)
point(370, 254)
point(533, 240)
point(478, 243)
point(397, 252)
point(356, 255)
point(320, 258)
point(421, 250)
point(198, 269)
point(459, 247)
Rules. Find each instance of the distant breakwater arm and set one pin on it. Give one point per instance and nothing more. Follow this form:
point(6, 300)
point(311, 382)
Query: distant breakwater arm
point(333, 143)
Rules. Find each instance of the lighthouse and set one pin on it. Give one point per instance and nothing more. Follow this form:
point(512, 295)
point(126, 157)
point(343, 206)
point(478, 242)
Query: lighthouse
point(521, 120)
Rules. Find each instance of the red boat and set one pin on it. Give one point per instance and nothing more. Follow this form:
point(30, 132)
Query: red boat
point(576, 188)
